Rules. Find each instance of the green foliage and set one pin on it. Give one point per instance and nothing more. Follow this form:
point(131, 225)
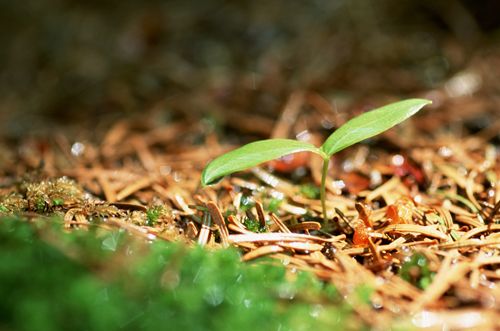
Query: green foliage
point(57, 202)
point(251, 155)
point(416, 271)
point(355, 130)
point(371, 123)
point(80, 283)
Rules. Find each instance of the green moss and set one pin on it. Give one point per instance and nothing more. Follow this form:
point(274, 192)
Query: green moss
point(253, 225)
point(246, 203)
point(112, 282)
point(274, 204)
point(12, 203)
point(45, 195)
point(416, 271)
point(310, 191)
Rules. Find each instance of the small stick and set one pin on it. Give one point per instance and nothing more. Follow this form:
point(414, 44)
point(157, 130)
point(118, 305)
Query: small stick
point(219, 221)
point(260, 214)
point(280, 223)
point(109, 193)
point(491, 216)
point(131, 189)
point(305, 226)
point(204, 233)
point(261, 251)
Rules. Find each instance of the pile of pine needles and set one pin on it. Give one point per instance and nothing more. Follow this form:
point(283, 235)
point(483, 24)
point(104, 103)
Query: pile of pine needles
point(413, 215)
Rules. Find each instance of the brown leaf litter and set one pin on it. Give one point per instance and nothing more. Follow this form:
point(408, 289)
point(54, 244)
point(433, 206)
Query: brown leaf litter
point(430, 193)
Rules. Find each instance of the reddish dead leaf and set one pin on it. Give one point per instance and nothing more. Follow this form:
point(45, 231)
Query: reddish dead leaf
point(405, 168)
point(361, 236)
point(355, 182)
point(290, 163)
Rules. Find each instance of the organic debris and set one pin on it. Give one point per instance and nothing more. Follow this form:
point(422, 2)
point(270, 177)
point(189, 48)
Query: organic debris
point(422, 233)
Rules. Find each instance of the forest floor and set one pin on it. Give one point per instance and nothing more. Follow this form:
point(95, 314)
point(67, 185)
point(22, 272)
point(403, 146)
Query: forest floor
point(106, 128)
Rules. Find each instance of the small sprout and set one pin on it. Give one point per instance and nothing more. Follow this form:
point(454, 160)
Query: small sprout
point(57, 202)
point(154, 213)
point(310, 191)
point(355, 130)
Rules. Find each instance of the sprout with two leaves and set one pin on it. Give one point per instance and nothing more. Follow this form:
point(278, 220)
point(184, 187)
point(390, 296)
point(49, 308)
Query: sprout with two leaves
point(359, 128)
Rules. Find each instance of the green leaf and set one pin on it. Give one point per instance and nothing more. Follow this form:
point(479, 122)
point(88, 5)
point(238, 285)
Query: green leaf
point(371, 123)
point(251, 155)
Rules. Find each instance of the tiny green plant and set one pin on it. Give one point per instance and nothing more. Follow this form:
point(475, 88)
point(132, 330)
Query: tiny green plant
point(359, 128)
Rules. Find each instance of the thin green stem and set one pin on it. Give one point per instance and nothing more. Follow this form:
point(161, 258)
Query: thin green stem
point(324, 173)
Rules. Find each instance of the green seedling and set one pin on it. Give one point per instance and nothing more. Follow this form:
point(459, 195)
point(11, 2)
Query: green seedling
point(355, 130)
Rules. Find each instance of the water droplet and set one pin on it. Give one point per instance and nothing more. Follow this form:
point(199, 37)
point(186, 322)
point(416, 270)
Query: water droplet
point(425, 319)
point(463, 83)
point(286, 291)
point(463, 171)
point(375, 178)
point(177, 176)
point(316, 311)
point(247, 303)
point(377, 304)
point(406, 250)
point(339, 184)
point(214, 295)
point(380, 281)
point(398, 160)
point(326, 124)
point(445, 151)
point(165, 170)
point(303, 135)
point(77, 149)
point(285, 261)
point(277, 195)
point(347, 166)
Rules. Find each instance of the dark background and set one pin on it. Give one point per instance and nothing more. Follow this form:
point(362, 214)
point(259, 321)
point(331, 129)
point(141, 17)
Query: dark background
point(81, 64)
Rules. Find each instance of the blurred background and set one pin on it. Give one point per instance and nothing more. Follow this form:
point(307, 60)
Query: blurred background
point(77, 66)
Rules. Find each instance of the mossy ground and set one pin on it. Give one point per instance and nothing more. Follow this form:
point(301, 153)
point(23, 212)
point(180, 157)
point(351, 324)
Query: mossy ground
point(101, 280)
